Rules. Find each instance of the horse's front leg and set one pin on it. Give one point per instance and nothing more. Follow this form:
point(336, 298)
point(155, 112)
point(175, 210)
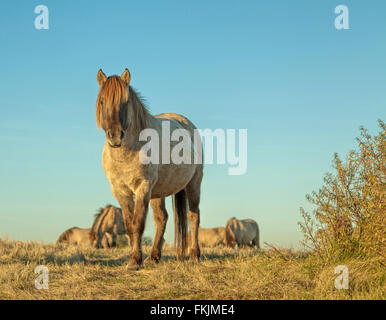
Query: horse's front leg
point(108, 240)
point(127, 206)
point(142, 198)
point(160, 216)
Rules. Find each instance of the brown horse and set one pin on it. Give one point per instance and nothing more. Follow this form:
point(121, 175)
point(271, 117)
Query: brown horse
point(83, 237)
point(108, 224)
point(122, 114)
point(210, 237)
point(76, 236)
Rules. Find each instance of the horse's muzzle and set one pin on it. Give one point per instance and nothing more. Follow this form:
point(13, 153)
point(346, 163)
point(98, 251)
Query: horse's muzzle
point(114, 138)
point(115, 145)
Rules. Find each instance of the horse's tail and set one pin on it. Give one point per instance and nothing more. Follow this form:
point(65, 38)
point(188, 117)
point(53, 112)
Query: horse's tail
point(64, 237)
point(180, 226)
point(256, 241)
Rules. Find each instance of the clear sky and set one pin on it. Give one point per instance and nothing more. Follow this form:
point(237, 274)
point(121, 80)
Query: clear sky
point(277, 68)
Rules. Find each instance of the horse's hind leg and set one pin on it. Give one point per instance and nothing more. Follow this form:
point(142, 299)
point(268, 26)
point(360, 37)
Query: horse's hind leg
point(160, 216)
point(193, 190)
point(114, 240)
point(256, 242)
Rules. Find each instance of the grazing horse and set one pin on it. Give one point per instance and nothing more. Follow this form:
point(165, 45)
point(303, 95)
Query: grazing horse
point(108, 223)
point(210, 237)
point(242, 233)
point(135, 181)
point(76, 236)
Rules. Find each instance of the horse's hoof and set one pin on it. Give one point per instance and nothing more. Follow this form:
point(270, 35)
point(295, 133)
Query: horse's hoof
point(133, 267)
point(194, 255)
point(194, 259)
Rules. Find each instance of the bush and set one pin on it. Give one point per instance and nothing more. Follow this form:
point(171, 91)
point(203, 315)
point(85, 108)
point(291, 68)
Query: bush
point(350, 208)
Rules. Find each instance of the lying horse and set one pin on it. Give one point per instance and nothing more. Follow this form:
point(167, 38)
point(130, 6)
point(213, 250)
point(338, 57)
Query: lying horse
point(76, 236)
point(82, 237)
point(242, 233)
point(108, 224)
point(210, 237)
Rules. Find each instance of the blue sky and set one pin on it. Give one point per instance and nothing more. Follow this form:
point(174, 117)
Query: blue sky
point(277, 68)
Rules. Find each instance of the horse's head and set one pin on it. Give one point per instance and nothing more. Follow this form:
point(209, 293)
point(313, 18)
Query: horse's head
point(230, 237)
point(112, 106)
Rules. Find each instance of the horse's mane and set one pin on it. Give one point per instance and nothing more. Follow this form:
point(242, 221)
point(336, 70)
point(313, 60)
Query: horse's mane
point(99, 217)
point(139, 112)
point(112, 106)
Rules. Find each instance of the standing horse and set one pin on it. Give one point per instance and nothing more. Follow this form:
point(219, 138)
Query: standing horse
point(242, 233)
point(122, 114)
point(108, 224)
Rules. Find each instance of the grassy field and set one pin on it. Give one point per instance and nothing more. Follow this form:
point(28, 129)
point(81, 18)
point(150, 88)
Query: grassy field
point(86, 273)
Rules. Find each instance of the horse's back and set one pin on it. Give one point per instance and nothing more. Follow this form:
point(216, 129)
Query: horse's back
point(75, 235)
point(185, 122)
point(173, 177)
point(250, 223)
point(251, 229)
point(65, 236)
point(211, 237)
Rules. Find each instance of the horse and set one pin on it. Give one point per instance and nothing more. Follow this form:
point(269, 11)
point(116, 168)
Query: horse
point(82, 237)
point(210, 237)
point(135, 182)
point(242, 233)
point(108, 223)
point(76, 236)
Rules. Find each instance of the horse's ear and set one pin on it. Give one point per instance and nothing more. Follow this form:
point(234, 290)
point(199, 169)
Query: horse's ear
point(126, 76)
point(101, 77)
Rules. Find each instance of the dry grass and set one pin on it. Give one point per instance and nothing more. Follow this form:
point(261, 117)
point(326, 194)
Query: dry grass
point(86, 273)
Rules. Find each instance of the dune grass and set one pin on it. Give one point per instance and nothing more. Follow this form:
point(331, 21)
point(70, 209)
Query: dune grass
point(87, 273)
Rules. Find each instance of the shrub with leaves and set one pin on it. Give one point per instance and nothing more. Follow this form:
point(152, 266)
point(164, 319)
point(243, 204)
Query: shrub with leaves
point(349, 218)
